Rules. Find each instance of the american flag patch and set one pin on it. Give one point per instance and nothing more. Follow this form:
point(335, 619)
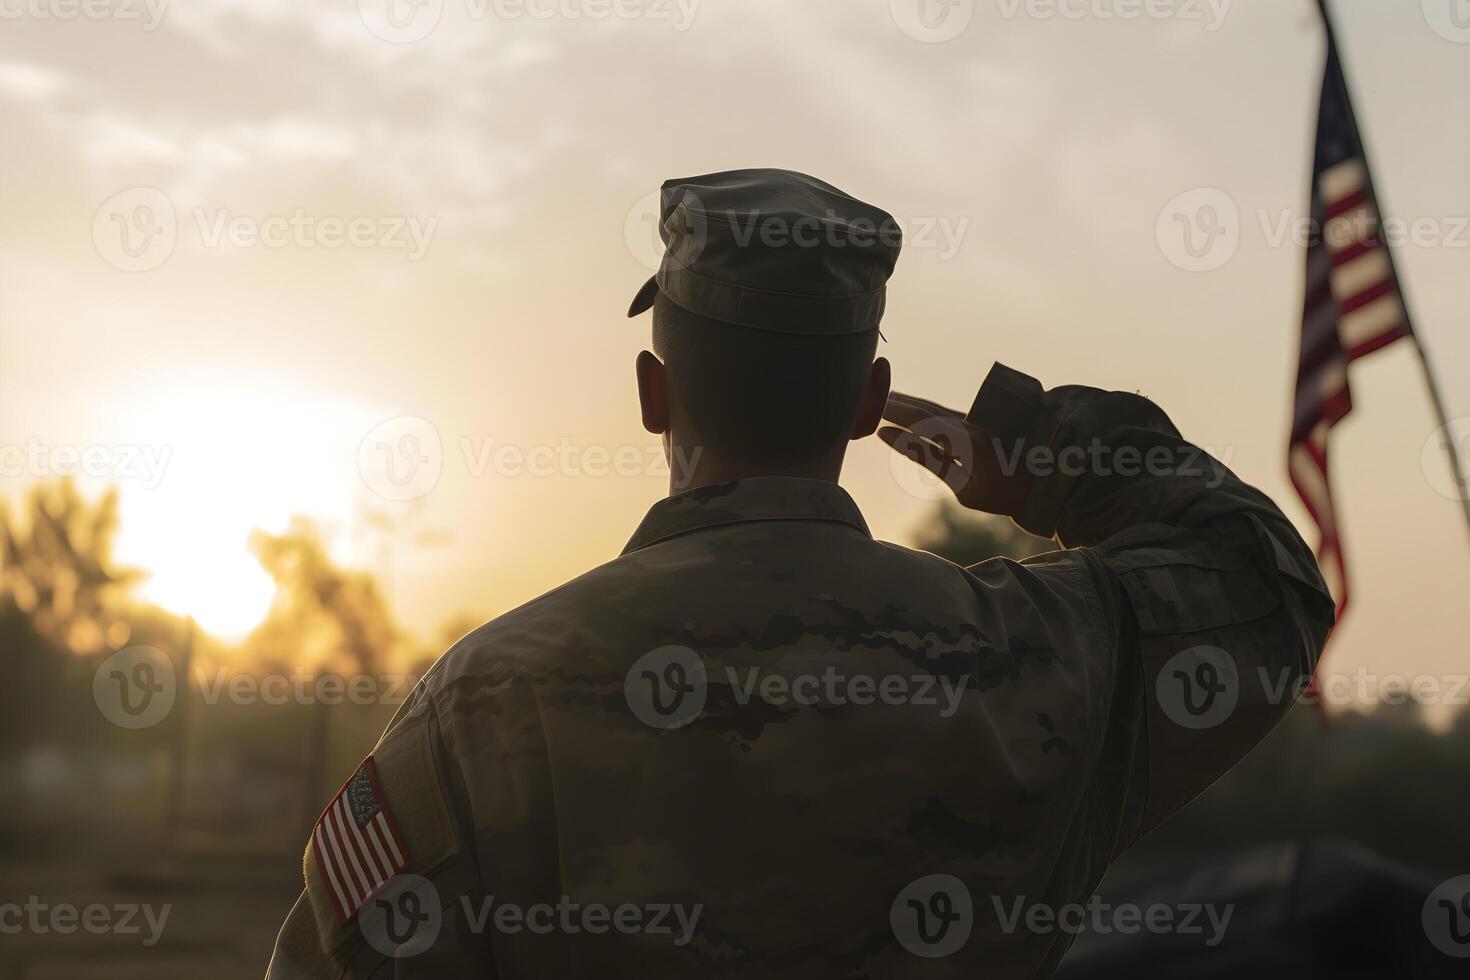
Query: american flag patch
point(357, 845)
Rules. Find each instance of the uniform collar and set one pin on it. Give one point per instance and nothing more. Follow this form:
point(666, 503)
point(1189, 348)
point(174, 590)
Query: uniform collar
point(764, 498)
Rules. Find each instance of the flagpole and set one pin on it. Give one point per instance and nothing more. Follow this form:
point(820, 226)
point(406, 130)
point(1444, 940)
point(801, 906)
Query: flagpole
point(1457, 470)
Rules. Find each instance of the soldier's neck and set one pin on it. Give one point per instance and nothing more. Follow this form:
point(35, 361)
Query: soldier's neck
point(689, 469)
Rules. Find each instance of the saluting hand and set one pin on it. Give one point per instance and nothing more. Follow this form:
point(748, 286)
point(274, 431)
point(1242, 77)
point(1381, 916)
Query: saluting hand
point(960, 453)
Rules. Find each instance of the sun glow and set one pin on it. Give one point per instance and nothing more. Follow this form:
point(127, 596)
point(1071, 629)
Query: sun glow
point(232, 453)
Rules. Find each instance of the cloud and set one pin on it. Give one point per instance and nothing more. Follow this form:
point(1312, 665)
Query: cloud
point(31, 83)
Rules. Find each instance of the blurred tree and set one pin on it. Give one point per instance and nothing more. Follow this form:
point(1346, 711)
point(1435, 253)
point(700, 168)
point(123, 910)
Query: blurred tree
point(322, 614)
point(325, 617)
point(56, 567)
point(967, 537)
point(62, 598)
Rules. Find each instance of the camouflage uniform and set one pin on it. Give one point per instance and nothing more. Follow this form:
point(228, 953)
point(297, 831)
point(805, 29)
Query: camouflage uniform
point(993, 734)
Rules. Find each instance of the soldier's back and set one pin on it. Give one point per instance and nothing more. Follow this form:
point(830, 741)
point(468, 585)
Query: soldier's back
point(761, 734)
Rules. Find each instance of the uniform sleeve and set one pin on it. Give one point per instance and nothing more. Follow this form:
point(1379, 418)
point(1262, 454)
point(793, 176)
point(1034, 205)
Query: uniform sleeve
point(417, 923)
point(1215, 611)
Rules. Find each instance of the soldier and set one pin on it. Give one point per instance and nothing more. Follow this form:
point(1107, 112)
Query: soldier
point(760, 743)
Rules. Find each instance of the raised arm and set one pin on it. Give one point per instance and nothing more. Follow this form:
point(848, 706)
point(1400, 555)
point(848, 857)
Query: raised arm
point(1214, 610)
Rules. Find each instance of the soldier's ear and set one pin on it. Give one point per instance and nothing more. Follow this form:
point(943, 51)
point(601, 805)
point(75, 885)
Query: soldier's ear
point(653, 393)
point(875, 397)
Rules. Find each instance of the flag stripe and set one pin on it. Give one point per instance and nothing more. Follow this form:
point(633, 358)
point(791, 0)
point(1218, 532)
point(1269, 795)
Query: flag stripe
point(1368, 272)
point(1358, 300)
point(379, 864)
point(1379, 342)
point(329, 875)
point(375, 839)
point(1352, 201)
point(1352, 228)
point(1372, 320)
point(1345, 178)
point(1346, 255)
point(376, 875)
point(337, 857)
point(364, 888)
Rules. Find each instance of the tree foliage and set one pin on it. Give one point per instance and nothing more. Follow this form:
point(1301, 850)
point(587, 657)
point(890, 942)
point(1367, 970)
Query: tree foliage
point(967, 537)
point(322, 614)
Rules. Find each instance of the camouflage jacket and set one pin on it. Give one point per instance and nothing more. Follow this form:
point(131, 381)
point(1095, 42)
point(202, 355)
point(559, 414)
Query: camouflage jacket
point(760, 743)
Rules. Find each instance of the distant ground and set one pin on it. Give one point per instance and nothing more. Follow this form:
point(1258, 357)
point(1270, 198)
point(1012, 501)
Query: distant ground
point(224, 903)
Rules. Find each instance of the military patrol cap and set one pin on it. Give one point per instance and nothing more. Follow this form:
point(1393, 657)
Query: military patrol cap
point(774, 250)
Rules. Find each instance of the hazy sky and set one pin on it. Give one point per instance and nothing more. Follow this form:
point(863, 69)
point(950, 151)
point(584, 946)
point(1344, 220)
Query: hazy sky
point(238, 236)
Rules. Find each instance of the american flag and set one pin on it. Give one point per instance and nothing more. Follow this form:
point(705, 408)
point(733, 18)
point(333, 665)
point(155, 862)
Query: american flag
point(358, 848)
point(1353, 308)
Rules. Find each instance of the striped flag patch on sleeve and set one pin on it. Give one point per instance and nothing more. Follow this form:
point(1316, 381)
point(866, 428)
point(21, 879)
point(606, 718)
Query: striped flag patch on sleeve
point(357, 845)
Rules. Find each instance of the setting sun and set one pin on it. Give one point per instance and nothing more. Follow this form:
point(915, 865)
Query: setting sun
point(250, 452)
